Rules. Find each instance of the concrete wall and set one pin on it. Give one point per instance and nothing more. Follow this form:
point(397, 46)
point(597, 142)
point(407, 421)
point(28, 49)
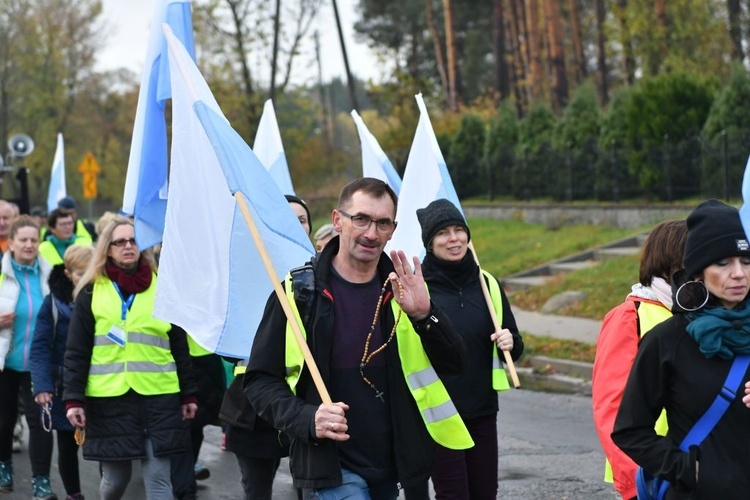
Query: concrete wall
point(562, 215)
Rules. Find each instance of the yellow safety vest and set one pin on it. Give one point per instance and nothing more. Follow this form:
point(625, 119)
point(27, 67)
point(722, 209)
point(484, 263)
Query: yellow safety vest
point(145, 363)
point(499, 377)
point(649, 315)
point(435, 406)
point(83, 235)
point(196, 350)
point(49, 253)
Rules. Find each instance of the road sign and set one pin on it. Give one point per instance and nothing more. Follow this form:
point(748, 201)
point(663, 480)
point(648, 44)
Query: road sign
point(89, 167)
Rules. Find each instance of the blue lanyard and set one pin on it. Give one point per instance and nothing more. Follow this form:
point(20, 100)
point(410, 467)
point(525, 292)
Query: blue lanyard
point(125, 303)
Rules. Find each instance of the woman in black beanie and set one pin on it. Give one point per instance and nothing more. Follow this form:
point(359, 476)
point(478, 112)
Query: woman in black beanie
point(683, 363)
point(452, 277)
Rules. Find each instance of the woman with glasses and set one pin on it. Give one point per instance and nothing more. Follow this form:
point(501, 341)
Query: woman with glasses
point(128, 386)
point(23, 285)
point(47, 350)
point(452, 277)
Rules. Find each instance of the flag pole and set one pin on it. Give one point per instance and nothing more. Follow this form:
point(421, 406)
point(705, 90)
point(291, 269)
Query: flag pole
point(493, 315)
point(281, 295)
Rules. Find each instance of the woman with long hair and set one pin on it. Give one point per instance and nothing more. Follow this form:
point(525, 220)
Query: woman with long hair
point(128, 382)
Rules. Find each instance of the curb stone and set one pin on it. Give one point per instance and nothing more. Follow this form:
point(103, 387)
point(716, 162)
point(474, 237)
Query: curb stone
point(556, 375)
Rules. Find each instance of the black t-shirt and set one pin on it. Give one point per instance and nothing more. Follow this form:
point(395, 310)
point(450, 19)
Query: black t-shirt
point(369, 451)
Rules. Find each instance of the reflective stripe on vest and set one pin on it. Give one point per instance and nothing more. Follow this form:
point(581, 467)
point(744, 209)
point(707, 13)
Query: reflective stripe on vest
point(499, 377)
point(435, 406)
point(240, 368)
point(438, 411)
point(649, 315)
point(145, 364)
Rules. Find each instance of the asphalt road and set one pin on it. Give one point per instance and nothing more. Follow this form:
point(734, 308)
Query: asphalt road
point(548, 450)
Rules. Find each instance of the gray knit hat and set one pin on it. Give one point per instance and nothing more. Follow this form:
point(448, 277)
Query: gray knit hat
point(438, 215)
point(714, 233)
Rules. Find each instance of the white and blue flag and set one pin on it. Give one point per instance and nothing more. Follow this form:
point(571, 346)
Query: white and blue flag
point(212, 281)
point(57, 177)
point(145, 195)
point(426, 179)
point(375, 163)
point(270, 150)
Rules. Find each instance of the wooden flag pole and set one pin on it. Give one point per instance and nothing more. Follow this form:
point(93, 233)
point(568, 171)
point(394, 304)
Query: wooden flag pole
point(493, 315)
point(314, 372)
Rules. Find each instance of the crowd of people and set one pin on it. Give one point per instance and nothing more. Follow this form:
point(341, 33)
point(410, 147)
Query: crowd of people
point(399, 384)
point(81, 349)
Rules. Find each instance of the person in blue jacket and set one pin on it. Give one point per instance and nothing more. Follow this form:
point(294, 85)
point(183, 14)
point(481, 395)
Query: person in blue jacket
point(47, 353)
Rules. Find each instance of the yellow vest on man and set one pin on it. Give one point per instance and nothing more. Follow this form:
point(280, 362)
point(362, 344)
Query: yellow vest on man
point(435, 406)
point(49, 253)
point(83, 235)
point(145, 363)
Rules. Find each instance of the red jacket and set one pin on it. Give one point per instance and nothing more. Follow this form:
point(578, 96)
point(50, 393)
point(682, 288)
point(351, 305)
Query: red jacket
point(616, 348)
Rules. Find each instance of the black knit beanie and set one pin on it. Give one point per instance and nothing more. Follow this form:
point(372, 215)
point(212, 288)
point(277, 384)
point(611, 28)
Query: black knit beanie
point(437, 215)
point(299, 201)
point(714, 233)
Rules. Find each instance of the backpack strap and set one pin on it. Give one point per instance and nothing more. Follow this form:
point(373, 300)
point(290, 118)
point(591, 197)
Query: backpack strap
point(728, 393)
point(303, 285)
point(649, 487)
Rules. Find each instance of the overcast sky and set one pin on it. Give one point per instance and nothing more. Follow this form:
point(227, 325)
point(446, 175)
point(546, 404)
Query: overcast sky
point(129, 22)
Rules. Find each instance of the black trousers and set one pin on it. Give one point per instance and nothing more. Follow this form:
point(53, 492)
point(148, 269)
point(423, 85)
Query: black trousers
point(40, 441)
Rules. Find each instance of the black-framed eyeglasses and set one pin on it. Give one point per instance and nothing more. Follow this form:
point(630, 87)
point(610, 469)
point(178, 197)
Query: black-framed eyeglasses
point(362, 222)
point(122, 242)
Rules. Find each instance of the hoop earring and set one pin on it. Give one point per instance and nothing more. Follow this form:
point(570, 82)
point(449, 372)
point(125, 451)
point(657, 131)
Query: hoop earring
point(693, 294)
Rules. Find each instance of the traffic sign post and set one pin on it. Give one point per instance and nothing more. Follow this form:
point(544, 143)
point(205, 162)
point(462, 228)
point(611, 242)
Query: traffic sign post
point(89, 168)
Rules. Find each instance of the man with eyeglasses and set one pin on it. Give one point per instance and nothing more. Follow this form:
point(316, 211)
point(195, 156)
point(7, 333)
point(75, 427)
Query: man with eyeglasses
point(62, 235)
point(379, 430)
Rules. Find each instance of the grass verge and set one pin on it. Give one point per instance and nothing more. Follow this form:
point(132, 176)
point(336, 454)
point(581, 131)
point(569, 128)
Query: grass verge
point(508, 246)
point(536, 345)
point(605, 285)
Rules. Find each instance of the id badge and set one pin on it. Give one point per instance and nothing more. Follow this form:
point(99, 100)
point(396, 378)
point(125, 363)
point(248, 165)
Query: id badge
point(117, 335)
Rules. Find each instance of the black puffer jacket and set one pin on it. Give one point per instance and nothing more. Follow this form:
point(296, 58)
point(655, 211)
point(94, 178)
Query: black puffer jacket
point(117, 427)
point(315, 463)
point(48, 344)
